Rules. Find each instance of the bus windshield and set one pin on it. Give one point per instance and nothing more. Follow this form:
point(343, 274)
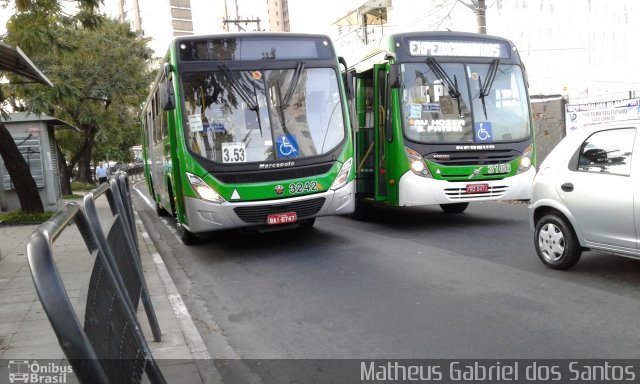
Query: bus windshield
point(444, 106)
point(238, 116)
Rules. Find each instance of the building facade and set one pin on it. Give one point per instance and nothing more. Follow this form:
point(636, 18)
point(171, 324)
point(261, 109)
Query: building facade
point(278, 15)
point(578, 48)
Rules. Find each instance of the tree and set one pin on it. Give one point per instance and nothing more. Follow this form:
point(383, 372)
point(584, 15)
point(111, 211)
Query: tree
point(19, 171)
point(101, 76)
point(47, 11)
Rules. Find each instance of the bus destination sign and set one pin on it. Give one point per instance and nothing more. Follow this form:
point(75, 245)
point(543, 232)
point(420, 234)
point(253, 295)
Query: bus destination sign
point(458, 49)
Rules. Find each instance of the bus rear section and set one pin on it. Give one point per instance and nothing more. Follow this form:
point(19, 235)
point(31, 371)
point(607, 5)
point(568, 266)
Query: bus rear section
point(260, 133)
point(444, 118)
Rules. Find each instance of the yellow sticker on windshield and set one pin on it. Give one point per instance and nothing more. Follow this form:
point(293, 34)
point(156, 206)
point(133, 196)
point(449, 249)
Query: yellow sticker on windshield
point(257, 75)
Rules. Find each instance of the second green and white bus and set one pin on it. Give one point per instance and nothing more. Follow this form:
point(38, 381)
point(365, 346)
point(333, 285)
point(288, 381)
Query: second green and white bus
point(443, 118)
point(249, 130)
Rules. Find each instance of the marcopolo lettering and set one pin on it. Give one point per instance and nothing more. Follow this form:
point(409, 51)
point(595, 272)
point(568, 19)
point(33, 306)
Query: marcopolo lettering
point(276, 165)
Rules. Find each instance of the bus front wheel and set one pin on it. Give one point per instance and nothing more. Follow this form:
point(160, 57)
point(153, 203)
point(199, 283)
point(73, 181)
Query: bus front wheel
point(362, 210)
point(187, 237)
point(454, 208)
point(161, 211)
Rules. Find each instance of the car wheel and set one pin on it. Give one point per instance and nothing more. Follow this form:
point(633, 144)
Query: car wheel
point(556, 244)
point(454, 208)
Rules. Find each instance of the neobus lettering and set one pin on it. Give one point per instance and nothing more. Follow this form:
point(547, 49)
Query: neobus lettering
point(465, 147)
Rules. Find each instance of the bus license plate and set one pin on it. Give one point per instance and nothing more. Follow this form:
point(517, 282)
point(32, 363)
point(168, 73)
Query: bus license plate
point(477, 188)
point(282, 218)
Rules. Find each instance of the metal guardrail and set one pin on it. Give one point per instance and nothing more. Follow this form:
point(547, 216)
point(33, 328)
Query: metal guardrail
point(121, 245)
point(110, 347)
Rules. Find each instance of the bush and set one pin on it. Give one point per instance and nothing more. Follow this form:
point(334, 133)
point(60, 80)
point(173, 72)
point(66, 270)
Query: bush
point(80, 186)
point(19, 217)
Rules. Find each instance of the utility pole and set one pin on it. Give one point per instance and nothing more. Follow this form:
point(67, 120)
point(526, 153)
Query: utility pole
point(480, 11)
point(478, 7)
point(237, 20)
point(226, 17)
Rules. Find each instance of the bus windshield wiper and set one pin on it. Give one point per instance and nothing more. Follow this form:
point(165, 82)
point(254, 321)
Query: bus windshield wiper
point(281, 108)
point(452, 86)
point(485, 87)
point(292, 85)
point(240, 88)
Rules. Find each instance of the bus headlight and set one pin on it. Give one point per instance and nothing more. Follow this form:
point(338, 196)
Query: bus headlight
point(418, 166)
point(203, 190)
point(525, 161)
point(343, 175)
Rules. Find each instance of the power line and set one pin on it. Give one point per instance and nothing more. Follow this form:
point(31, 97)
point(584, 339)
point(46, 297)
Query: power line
point(448, 14)
point(430, 12)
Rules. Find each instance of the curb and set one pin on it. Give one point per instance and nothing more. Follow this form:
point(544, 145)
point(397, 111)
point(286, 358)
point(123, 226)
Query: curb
point(194, 341)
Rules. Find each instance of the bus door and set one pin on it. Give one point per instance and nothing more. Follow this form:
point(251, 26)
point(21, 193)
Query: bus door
point(379, 106)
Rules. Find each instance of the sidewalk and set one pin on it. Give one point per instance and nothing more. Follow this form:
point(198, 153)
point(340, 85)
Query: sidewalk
point(25, 332)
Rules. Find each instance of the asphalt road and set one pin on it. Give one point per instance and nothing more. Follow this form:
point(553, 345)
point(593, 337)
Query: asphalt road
point(409, 283)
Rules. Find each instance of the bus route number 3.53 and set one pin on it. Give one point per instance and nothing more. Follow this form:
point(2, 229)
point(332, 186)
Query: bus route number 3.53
point(233, 153)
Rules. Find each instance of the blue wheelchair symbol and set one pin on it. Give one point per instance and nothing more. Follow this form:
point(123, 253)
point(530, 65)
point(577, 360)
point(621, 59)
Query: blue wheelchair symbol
point(287, 146)
point(483, 132)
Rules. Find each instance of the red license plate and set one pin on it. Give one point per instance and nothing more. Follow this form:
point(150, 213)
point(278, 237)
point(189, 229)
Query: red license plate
point(282, 218)
point(477, 188)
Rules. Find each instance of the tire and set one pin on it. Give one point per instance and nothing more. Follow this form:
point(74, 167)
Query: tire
point(187, 237)
point(161, 211)
point(362, 211)
point(556, 243)
point(454, 207)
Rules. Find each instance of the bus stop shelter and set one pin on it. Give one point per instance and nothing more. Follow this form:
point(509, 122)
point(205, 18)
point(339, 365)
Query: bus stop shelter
point(14, 60)
point(33, 136)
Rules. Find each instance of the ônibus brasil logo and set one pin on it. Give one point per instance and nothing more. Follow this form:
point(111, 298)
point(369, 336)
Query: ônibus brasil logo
point(279, 189)
point(24, 371)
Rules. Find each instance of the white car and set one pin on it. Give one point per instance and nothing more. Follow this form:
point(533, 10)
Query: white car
point(586, 195)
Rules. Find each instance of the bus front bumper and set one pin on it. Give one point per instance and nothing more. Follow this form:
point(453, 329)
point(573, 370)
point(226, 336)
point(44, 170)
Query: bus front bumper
point(206, 216)
point(416, 190)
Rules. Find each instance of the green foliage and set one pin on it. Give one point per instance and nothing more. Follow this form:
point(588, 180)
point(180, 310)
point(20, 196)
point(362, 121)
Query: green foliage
point(100, 75)
point(73, 196)
point(19, 217)
point(79, 186)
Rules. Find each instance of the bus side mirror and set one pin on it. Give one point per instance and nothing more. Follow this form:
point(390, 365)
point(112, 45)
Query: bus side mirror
point(394, 75)
point(167, 96)
point(347, 78)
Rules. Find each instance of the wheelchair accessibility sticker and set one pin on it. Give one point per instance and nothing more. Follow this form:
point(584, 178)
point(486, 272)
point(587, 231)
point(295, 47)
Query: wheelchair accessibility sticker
point(287, 146)
point(483, 132)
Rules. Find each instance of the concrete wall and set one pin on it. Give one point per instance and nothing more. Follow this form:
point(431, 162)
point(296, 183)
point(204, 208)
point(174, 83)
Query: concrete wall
point(549, 125)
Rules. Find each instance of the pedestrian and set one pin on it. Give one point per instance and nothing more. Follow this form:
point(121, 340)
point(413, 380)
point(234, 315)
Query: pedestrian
point(101, 173)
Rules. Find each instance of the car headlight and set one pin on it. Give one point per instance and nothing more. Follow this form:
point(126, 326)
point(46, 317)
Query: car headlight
point(203, 190)
point(418, 166)
point(343, 175)
point(525, 161)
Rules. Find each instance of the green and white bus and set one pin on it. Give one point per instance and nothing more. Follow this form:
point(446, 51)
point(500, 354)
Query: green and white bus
point(249, 130)
point(442, 118)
